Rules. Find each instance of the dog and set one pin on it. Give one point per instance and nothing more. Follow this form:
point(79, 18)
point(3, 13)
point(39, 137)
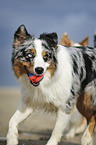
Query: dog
point(55, 79)
point(75, 127)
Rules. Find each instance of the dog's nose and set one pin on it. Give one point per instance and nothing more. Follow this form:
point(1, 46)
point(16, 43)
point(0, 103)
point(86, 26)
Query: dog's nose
point(39, 70)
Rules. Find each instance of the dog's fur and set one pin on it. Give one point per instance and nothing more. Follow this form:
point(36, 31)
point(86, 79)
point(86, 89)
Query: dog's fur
point(75, 126)
point(69, 74)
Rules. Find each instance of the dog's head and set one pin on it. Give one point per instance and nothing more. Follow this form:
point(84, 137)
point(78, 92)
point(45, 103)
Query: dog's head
point(34, 56)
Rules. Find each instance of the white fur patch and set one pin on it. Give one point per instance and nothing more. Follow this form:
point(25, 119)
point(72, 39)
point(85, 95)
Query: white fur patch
point(87, 138)
point(38, 60)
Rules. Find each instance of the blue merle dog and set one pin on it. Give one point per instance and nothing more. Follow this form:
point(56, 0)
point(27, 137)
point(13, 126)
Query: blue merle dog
point(64, 77)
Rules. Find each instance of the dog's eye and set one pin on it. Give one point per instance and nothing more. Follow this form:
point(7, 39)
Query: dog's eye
point(29, 55)
point(46, 58)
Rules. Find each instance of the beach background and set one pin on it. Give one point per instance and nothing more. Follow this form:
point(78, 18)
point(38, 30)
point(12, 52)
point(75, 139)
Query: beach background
point(36, 129)
point(77, 18)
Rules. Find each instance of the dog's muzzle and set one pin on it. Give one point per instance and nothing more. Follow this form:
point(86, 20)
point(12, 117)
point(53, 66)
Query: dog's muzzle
point(35, 79)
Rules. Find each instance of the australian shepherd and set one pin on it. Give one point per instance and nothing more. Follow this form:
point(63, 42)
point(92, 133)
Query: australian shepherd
point(55, 79)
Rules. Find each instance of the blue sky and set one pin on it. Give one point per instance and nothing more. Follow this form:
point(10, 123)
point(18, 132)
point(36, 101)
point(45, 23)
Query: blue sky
point(76, 17)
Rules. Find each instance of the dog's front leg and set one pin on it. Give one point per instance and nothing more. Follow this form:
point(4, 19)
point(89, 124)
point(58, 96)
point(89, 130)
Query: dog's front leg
point(61, 123)
point(21, 114)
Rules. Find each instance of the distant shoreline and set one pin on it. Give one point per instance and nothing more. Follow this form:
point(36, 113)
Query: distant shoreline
point(9, 90)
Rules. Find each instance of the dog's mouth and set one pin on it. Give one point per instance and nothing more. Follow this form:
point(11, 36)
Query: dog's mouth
point(34, 79)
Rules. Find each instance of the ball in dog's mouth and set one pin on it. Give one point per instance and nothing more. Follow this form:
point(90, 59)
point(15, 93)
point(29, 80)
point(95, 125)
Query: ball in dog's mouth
point(34, 79)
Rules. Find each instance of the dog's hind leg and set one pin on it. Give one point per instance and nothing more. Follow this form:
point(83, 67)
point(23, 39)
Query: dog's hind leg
point(61, 123)
point(77, 130)
point(87, 136)
point(21, 114)
point(82, 126)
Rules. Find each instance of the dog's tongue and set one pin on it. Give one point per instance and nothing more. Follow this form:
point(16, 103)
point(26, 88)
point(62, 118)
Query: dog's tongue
point(35, 79)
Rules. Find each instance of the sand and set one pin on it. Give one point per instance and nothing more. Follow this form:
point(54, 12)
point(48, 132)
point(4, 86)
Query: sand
point(36, 130)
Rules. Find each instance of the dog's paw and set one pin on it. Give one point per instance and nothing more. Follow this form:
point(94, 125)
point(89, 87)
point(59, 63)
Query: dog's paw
point(86, 138)
point(12, 137)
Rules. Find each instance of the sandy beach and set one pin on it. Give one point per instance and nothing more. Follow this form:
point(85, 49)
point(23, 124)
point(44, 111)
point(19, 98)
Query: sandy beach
point(36, 130)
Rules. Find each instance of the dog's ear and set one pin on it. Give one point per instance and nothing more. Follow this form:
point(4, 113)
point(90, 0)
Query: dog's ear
point(51, 38)
point(20, 35)
point(85, 41)
point(65, 40)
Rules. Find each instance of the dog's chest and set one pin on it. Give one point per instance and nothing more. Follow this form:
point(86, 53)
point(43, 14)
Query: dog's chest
point(46, 98)
point(40, 100)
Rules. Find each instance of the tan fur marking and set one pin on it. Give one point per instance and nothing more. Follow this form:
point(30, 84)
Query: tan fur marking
point(33, 51)
point(87, 99)
point(19, 69)
point(91, 125)
point(84, 105)
point(83, 121)
point(43, 53)
point(52, 68)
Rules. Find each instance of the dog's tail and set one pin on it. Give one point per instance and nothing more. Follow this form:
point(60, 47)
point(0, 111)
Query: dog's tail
point(95, 39)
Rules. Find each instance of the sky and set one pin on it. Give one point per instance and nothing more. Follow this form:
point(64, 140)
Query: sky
point(76, 17)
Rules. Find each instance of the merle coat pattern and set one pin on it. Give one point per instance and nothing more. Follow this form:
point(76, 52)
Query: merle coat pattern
point(69, 80)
